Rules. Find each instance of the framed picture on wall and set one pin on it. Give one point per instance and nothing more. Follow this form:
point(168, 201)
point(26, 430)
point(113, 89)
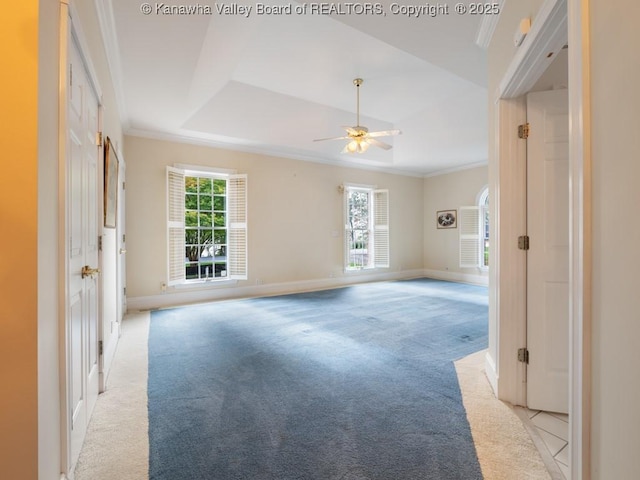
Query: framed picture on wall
point(110, 185)
point(447, 219)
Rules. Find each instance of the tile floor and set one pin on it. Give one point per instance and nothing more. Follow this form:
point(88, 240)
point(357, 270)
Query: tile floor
point(553, 431)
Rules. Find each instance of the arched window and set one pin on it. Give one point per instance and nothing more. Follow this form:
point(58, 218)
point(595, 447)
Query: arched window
point(474, 232)
point(483, 203)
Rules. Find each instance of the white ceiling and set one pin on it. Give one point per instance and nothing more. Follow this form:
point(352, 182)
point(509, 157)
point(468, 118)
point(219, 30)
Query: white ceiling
point(274, 83)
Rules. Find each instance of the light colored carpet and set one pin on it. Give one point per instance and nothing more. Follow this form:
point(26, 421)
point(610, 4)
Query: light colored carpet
point(504, 447)
point(117, 445)
point(117, 442)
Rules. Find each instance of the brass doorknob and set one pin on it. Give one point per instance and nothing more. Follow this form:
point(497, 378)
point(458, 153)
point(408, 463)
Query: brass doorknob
point(87, 271)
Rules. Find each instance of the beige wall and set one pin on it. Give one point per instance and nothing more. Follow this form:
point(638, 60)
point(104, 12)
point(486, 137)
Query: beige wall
point(615, 143)
point(295, 214)
point(447, 192)
point(18, 210)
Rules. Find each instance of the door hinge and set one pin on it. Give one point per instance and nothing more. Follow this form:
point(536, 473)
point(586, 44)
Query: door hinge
point(123, 185)
point(523, 131)
point(100, 243)
point(99, 139)
point(523, 355)
point(523, 242)
point(71, 75)
point(100, 350)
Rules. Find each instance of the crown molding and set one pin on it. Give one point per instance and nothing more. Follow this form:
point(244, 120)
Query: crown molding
point(265, 150)
point(461, 168)
point(487, 27)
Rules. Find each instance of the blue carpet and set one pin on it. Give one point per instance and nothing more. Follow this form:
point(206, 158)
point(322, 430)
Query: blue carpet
point(352, 383)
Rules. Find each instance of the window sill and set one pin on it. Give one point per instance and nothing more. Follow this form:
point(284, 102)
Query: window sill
point(199, 284)
point(356, 271)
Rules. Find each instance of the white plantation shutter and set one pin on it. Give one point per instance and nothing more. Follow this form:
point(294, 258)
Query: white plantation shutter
point(469, 225)
point(175, 226)
point(237, 228)
point(381, 228)
point(347, 228)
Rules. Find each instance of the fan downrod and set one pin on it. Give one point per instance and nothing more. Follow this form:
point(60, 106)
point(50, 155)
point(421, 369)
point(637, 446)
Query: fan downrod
point(357, 82)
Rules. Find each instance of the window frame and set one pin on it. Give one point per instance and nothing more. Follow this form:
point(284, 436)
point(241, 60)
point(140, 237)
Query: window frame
point(235, 224)
point(483, 203)
point(204, 250)
point(377, 227)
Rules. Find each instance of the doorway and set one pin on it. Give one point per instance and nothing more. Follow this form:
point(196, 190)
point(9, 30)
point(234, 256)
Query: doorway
point(558, 23)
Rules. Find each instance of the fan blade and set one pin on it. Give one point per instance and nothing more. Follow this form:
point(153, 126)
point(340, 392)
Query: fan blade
point(330, 138)
point(378, 143)
point(384, 133)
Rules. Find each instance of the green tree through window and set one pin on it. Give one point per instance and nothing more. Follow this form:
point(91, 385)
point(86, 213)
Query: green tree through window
point(205, 227)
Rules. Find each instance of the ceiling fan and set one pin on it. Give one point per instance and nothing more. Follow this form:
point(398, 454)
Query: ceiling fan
point(360, 137)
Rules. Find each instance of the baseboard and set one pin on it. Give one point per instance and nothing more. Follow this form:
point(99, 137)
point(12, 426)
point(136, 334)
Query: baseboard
point(457, 277)
point(491, 372)
point(184, 297)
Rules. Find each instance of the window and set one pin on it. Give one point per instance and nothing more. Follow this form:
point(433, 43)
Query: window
point(366, 228)
point(207, 229)
point(474, 233)
point(484, 226)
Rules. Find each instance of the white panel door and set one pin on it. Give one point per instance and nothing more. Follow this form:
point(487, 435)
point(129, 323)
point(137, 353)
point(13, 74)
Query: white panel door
point(548, 256)
point(82, 250)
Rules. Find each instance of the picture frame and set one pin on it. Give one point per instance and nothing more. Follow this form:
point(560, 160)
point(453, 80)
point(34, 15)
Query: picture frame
point(447, 218)
point(111, 164)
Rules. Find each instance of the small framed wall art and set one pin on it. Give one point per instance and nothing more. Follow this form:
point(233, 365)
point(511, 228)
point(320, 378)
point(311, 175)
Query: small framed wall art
point(447, 219)
point(110, 185)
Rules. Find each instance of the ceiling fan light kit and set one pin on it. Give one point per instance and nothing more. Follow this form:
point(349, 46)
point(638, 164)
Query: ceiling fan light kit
point(360, 137)
point(356, 146)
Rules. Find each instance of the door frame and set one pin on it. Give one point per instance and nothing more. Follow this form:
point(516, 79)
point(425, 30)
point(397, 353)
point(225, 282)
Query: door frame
point(554, 19)
point(121, 244)
point(70, 30)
